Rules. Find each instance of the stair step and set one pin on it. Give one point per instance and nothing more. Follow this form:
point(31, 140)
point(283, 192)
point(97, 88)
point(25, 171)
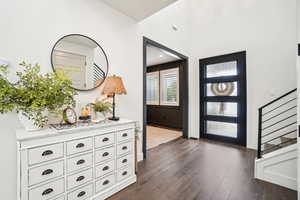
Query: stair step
point(284, 143)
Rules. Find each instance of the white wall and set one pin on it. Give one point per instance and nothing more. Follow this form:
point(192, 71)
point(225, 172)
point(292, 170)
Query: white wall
point(29, 29)
point(265, 29)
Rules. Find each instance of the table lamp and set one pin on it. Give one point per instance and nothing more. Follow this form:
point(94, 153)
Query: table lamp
point(114, 85)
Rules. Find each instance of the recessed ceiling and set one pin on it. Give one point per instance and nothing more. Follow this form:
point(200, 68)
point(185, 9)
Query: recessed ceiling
point(138, 9)
point(156, 56)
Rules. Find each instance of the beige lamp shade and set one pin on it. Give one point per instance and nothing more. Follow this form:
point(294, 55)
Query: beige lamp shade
point(114, 85)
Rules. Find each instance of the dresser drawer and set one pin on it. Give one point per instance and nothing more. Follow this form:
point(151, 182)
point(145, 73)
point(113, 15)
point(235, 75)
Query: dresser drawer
point(104, 154)
point(124, 161)
point(79, 178)
point(125, 135)
point(47, 191)
point(79, 162)
point(45, 153)
point(81, 145)
point(45, 172)
point(124, 173)
point(124, 148)
point(105, 168)
point(104, 140)
point(105, 183)
point(82, 193)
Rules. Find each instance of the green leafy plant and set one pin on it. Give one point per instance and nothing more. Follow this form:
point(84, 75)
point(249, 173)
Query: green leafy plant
point(35, 93)
point(101, 106)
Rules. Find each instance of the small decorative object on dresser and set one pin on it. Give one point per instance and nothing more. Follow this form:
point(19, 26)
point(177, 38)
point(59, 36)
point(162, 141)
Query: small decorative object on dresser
point(69, 116)
point(91, 162)
point(101, 107)
point(114, 85)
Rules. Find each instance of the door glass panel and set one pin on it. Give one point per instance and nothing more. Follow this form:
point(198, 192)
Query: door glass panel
point(221, 69)
point(222, 128)
point(221, 89)
point(222, 109)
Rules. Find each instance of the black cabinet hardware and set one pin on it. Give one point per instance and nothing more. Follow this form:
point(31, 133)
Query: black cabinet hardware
point(80, 178)
point(105, 182)
point(105, 154)
point(82, 193)
point(80, 162)
point(124, 148)
point(124, 173)
point(124, 135)
point(47, 153)
point(80, 145)
point(47, 191)
point(47, 172)
point(105, 139)
point(124, 161)
point(105, 168)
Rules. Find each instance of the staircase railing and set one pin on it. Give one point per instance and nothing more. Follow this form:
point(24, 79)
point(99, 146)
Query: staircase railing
point(99, 74)
point(277, 123)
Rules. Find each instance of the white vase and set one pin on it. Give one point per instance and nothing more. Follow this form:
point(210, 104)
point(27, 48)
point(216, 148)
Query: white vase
point(28, 124)
point(100, 116)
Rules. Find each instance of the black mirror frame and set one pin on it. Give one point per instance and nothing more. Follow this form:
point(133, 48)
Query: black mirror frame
point(95, 43)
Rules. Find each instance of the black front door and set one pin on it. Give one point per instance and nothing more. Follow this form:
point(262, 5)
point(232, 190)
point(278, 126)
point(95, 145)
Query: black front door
point(223, 108)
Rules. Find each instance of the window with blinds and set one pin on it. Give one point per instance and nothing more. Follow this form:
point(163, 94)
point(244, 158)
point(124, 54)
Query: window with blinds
point(169, 87)
point(163, 87)
point(153, 88)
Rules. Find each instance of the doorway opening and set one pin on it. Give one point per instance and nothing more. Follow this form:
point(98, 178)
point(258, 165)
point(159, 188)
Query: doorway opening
point(165, 95)
point(223, 102)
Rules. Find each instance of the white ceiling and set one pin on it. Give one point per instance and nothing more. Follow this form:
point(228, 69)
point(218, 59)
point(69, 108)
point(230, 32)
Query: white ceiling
point(138, 9)
point(157, 56)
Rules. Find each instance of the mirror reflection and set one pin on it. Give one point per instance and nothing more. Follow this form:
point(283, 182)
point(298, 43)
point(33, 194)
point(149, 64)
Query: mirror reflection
point(81, 59)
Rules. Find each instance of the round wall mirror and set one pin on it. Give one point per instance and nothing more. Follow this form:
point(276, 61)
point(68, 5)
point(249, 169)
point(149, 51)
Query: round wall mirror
point(81, 59)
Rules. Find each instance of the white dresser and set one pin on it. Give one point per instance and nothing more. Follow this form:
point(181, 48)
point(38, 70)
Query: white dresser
point(92, 162)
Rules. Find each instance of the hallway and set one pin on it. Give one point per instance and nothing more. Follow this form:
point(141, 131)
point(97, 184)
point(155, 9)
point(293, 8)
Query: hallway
point(200, 170)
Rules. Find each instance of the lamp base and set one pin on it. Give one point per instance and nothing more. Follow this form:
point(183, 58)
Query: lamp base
point(114, 118)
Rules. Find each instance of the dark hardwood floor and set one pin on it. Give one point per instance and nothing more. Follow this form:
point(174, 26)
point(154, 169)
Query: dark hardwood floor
point(200, 170)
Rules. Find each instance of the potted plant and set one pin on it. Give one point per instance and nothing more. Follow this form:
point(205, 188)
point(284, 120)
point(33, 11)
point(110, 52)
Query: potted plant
point(34, 95)
point(101, 107)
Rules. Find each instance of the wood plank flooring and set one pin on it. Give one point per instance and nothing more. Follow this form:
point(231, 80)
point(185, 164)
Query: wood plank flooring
point(200, 170)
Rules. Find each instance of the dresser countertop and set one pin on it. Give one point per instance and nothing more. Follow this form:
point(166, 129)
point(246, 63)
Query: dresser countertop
point(22, 134)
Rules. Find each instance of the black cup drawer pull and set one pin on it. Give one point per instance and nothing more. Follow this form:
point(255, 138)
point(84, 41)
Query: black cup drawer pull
point(124, 173)
point(80, 178)
point(124, 161)
point(80, 194)
point(124, 135)
point(105, 154)
point(105, 139)
point(47, 172)
point(105, 168)
point(80, 145)
point(47, 153)
point(105, 182)
point(80, 162)
point(47, 191)
point(124, 148)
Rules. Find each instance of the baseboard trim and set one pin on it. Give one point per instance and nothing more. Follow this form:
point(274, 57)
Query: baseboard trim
point(140, 157)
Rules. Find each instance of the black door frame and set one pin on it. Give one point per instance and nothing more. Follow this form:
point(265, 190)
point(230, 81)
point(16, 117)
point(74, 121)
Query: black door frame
point(241, 120)
point(184, 99)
